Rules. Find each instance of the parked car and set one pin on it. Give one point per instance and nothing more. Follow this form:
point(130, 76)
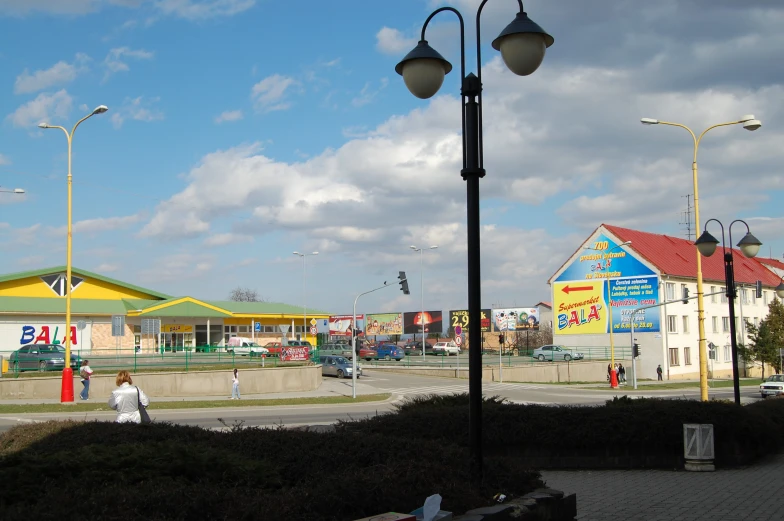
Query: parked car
point(367, 353)
point(339, 366)
point(414, 347)
point(389, 352)
point(41, 357)
point(772, 386)
point(446, 348)
point(553, 353)
point(273, 347)
point(244, 346)
point(343, 350)
point(300, 343)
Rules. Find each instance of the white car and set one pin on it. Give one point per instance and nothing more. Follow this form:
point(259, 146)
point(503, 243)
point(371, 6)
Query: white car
point(446, 348)
point(772, 386)
point(243, 346)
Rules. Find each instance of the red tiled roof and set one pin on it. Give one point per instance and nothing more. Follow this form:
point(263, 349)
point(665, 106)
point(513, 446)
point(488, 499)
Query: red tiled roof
point(771, 262)
point(548, 304)
point(678, 257)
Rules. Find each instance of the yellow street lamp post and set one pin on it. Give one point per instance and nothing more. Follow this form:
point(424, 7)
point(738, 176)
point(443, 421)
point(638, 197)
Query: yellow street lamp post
point(609, 308)
point(66, 391)
point(750, 123)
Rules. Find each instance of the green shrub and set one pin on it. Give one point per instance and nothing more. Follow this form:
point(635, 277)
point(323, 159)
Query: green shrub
point(161, 471)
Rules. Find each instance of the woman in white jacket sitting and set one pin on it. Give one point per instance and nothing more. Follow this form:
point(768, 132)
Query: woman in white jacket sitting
point(126, 398)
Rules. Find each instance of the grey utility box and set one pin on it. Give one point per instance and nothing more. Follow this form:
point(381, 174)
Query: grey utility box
point(698, 447)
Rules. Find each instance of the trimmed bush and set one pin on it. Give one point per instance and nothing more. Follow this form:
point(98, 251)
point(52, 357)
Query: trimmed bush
point(622, 433)
point(108, 471)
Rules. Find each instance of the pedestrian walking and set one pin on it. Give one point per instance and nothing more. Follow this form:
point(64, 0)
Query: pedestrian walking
point(621, 373)
point(129, 401)
point(85, 373)
point(659, 372)
point(235, 385)
point(609, 372)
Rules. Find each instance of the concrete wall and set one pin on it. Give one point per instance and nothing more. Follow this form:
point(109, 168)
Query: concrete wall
point(546, 372)
point(195, 383)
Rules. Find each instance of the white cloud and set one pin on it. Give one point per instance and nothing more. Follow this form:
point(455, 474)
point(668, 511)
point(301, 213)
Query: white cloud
point(21, 7)
point(368, 94)
point(44, 108)
point(98, 225)
point(270, 93)
point(222, 239)
point(178, 266)
point(4, 160)
point(59, 73)
point(391, 41)
point(31, 260)
point(229, 115)
point(138, 109)
point(107, 268)
point(116, 60)
point(204, 9)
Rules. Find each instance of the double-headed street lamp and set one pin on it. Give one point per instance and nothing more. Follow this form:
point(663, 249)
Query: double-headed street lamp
point(304, 309)
point(66, 390)
point(609, 310)
point(522, 44)
point(780, 289)
point(749, 246)
point(422, 289)
point(14, 191)
point(750, 123)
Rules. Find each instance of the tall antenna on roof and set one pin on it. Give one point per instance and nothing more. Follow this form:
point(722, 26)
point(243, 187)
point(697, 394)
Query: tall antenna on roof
point(686, 218)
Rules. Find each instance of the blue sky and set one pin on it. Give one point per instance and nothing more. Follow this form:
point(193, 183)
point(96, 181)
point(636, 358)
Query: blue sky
point(239, 131)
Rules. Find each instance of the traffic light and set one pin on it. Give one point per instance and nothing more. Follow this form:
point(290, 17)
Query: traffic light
point(635, 350)
point(685, 295)
point(404, 283)
point(501, 338)
point(759, 289)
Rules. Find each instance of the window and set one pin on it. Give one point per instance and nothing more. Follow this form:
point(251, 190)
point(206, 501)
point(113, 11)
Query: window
point(57, 283)
point(713, 297)
point(685, 323)
point(672, 324)
point(670, 289)
point(724, 296)
point(725, 324)
point(683, 290)
point(230, 329)
point(271, 329)
point(244, 329)
point(737, 325)
point(687, 356)
point(715, 322)
point(674, 357)
point(755, 321)
point(744, 295)
point(137, 329)
point(765, 297)
point(727, 353)
point(753, 296)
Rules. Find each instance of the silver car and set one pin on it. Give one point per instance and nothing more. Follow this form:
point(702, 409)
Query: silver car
point(338, 366)
point(553, 353)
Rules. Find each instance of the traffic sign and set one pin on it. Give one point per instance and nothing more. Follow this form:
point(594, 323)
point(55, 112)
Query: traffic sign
point(81, 325)
point(459, 340)
point(313, 330)
point(313, 322)
point(458, 330)
point(257, 327)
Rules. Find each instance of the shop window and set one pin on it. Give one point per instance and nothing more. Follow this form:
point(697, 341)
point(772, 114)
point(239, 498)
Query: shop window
point(230, 329)
point(271, 329)
point(674, 357)
point(244, 329)
point(137, 329)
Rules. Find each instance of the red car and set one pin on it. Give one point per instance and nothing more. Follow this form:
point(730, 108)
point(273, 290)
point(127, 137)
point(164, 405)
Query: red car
point(367, 353)
point(274, 348)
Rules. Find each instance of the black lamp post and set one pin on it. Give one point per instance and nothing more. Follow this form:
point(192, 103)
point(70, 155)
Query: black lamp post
point(749, 246)
point(522, 44)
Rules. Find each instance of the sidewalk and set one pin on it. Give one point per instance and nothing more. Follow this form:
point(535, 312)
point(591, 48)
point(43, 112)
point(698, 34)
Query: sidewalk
point(328, 388)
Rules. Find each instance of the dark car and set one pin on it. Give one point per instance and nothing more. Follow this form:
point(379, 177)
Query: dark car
point(414, 347)
point(41, 357)
point(389, 352)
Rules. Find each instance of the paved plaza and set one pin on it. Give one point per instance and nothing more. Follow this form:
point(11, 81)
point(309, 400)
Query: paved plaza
point(749, 493)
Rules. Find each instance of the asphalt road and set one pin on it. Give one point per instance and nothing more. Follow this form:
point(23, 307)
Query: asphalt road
point(399, 385)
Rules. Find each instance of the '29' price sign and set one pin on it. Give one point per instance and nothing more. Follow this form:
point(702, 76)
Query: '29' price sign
point(459, 317)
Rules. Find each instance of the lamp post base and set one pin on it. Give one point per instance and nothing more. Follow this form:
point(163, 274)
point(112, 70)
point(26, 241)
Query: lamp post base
point(613, 379)
point(67, 388)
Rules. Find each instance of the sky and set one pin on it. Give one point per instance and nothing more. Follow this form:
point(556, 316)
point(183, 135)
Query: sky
point(239, 131)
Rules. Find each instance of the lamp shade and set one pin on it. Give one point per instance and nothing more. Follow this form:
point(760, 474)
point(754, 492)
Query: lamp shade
point(749, 245)
point(780, 289)
point(752, 124)
point(706, 244)
point(522, 44)
point(423, 70)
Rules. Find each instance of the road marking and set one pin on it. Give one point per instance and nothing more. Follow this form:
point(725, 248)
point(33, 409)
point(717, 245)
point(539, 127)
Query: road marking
point(452, 389)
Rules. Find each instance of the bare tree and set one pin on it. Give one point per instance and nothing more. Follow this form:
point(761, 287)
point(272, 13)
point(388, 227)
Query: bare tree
point(240, 294)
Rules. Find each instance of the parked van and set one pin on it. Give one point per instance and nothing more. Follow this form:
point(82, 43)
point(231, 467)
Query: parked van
point(244, 346)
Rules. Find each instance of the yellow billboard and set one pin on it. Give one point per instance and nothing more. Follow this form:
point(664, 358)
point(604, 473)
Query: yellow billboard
point(580, 307)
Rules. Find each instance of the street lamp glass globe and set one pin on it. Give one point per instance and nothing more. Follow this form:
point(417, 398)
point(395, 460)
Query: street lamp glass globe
point(706, 244)
point(423, 77)
point(523, 53)
point(100, 109)
point(752, 124)
point(780, 289)
point(19, 190)
point(749, 245)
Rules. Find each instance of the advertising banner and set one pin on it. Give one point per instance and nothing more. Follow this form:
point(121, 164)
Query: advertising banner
point(176, 328)
point(626, 295)
point(412, 322)
point(516, 319)
point(340, 325)
point(607, 261)
point(459, 317)
point(294, 353)
point(580, 307)
point(384, 324)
